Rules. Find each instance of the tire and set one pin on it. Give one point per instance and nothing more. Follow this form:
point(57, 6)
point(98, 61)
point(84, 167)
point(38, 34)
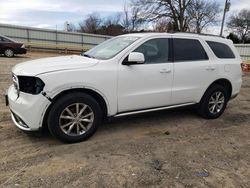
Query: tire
point(208, 107)
point(74, 121)
point(8, 52)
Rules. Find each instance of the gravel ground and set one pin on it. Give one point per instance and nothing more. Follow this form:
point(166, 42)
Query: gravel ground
point(172, 148)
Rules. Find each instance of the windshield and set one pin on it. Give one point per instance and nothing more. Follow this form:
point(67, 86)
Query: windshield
point(110, 48)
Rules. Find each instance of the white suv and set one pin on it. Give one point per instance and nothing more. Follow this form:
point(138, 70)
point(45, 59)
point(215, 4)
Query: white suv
point(125, 75)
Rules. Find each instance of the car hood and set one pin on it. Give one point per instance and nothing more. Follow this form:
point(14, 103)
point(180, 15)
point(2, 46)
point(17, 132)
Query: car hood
point(52, 64)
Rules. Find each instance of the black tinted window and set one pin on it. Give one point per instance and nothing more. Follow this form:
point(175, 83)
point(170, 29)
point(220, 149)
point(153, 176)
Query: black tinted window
point(154, 50)
point(4, 39)
point(188, 50)
point(221, 50)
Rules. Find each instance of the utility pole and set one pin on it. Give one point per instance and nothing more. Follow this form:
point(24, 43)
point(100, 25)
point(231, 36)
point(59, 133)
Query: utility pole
point(226, 9)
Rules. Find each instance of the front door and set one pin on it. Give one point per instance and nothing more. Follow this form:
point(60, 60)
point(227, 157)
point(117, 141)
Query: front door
point(148, 85)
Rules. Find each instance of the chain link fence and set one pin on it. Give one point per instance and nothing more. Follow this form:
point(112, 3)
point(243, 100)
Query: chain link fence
point(244, 51)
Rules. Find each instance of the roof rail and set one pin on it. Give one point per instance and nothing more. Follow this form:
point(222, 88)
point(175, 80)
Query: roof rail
point(203, 34)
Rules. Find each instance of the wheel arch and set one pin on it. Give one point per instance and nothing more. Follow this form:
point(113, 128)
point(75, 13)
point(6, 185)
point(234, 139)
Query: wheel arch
point(223, 82)
point(9, 47)
point(97, 96)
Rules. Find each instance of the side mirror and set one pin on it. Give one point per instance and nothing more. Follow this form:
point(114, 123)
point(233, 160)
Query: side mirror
point(134, 58)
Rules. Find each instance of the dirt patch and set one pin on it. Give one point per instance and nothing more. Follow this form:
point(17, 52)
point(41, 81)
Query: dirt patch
point(170, 148)
point(246, 86)
point(238, 118)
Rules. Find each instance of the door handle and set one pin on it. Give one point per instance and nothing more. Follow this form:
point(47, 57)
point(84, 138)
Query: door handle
point(165, 71)
point(210, 68)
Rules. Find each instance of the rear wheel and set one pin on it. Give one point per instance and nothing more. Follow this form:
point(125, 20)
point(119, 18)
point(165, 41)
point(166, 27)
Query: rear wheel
point(214, 102)
point(8, 52)
point(74, 117)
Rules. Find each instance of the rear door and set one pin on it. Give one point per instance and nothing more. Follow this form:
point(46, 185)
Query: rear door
point(194, 70)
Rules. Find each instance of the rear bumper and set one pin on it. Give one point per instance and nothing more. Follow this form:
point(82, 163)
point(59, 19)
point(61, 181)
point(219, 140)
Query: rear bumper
point(27, 111)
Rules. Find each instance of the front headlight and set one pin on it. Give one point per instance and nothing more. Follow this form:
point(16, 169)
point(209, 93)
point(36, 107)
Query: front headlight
point(30, 84)
point(23, 46)
point(16, 83)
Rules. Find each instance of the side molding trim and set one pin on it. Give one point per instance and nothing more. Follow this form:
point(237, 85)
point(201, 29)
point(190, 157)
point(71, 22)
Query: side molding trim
point(152, 109)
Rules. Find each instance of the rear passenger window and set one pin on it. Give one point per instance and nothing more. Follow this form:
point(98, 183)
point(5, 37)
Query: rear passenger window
point(188, 50)
point(155, 50)
point(221, 50)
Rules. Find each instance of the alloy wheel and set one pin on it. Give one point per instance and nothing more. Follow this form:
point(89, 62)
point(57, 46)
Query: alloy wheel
point(76, 119)
point(9, 53)
point(216, 102)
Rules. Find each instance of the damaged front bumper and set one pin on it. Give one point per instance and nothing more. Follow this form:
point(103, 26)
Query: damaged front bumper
point(27, 110)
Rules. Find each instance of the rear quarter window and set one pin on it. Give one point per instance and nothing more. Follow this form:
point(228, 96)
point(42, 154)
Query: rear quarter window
point(188, 50)
point(221, 50)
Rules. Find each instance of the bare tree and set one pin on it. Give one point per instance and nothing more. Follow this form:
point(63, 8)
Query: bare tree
point(91, 24)
point(112, 26)
point(240, 24)
point(126, 19)
point(135, 18)
point(176, 10)
point(234, 38)
point(113, 20)
point(202, 13)
point(131, 20)
point(163, 25)
point(105, 26)
point(182, 15)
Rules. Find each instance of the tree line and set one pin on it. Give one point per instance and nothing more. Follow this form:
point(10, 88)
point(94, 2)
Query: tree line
point(167, 16)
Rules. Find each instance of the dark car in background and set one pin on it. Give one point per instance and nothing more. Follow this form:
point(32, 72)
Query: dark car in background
point(9, 47)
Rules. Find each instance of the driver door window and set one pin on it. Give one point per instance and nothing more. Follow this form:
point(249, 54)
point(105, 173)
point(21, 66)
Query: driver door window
point(155, 50)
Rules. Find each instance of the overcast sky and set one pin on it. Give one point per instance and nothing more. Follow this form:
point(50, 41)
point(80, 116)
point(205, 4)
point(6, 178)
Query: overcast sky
point(53, 13)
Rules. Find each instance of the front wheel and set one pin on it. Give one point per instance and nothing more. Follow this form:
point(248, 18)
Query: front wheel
point(8, 52)
point(74, 117)
point(214, 102)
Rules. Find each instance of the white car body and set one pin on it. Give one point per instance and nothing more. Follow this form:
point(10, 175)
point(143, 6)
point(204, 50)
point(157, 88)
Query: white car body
point(125, 89)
